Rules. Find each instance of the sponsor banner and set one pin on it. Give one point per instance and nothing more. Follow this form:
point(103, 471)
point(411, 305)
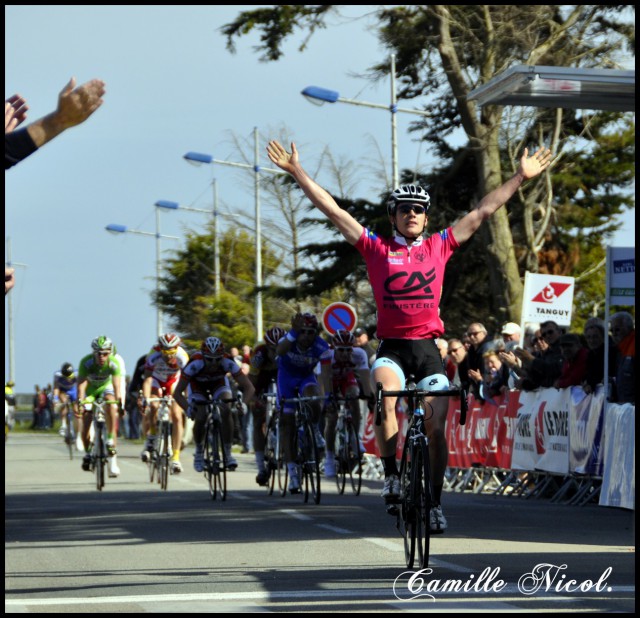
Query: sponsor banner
point(552, 422)
point(585, 431)
point(547, 297)
point(621, 275)
point(619, 473)
point(526, 444)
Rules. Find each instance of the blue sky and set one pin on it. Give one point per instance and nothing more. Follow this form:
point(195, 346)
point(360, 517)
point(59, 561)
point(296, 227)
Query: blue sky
point(172, 87)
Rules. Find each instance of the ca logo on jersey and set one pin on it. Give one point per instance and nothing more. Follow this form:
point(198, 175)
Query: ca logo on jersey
point(414, 286)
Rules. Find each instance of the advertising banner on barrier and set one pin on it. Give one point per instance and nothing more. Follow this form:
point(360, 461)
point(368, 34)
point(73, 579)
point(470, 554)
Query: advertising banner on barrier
point(527, 445)
point(552, 420)
point(585, 431)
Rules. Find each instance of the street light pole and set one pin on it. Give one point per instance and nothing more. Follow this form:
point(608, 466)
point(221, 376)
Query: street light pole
point(319, 96)
point(9, 297)
point(198, 157)
point(115, 228)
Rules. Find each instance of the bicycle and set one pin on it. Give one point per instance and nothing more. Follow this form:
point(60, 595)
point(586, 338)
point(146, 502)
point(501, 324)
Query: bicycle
point(413, 512)
point(99, 454)
point(307, 454)
point(215, 458)
point(69, 435)
point(160, 458)
point(348, 455)
point(274, 450)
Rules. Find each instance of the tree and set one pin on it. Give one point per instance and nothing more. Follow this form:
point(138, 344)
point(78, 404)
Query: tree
point(445, 51)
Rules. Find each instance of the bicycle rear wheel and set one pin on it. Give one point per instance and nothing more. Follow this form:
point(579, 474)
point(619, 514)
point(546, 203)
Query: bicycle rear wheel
point(310, 465)
point(283, 470)
point(215, 462)
point(354, 459)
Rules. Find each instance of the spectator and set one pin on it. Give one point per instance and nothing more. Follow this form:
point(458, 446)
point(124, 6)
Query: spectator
point(458, 356)
point(495, 376)
point(574, 365)
point(362, 341)
point(531, 331)
point(623, 334)
point(480, 343)
point(594, 336)
point(75, 105)
point(510, 335)
point(449, 366)
point(543, 370)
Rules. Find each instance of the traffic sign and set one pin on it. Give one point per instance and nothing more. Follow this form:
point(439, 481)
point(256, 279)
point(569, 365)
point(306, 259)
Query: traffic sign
point(339, 316)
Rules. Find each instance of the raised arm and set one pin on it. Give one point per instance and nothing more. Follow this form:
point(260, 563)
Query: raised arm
point(289, 162)
point(75, 105)
point(529, 168)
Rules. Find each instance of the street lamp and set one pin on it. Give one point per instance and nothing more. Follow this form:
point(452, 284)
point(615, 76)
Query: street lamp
point(9, 298)
point(168, 205)
point(319, 96)
point(198, 157)
point(115, 228)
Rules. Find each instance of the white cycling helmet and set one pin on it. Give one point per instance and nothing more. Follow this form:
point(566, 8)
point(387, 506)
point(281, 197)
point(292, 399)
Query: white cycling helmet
point(102, 343)
point(169, 341)
point(412, 194)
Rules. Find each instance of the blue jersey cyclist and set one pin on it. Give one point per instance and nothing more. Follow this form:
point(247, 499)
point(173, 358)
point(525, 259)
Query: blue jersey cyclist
point(298, 354)
point(65, 392)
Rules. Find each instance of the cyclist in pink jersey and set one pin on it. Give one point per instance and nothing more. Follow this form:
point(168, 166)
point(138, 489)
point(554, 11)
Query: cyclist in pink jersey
point(406, 274)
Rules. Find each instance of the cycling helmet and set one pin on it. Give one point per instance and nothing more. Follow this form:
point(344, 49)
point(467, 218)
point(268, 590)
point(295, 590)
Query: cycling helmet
point(343, 339)
point(168, 341)
point(213, 347)
point(413, 194)
point(309, 320)
point(102, 343)
point(66, 370)
point(273, 335)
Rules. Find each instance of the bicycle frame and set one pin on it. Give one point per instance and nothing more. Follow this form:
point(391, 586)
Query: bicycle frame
point(273, 452)
point(99, 454)
point(306, 450)
point(416, 500)
point(347, 447)
point(161, 456)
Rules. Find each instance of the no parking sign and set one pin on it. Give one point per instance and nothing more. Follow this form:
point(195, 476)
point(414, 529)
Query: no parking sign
point(339, 316)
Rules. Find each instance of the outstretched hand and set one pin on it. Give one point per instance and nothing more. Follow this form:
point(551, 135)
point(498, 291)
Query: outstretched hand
point(533, 165)
point(278, 155)
point(75, 105)
point(15, 112)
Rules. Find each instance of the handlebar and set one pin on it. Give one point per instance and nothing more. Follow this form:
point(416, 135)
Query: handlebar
point(418, 392)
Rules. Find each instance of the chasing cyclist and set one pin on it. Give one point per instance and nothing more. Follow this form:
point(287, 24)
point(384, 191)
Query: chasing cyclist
point(408, 327)
point(207, 374)
point(298, 354)
point(350, 379)
point(263, 371)
point(161, 374)
point(65, 393)
point(99, 376)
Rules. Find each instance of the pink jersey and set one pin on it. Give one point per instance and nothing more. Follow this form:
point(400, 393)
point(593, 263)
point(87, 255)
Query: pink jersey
point(407, 282)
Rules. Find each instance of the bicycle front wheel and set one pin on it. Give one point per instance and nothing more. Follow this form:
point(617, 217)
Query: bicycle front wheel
point(101, 458)
point(283, 470)
point(423, 504)
point(163, 458)
point(69, 438)
point(354, 459)
point(310, 465)
point(341, 455)
point(407, 519)
point(215, 462)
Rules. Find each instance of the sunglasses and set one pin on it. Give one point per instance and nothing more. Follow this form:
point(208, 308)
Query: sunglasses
point(474, 334)
point(307, 331)
point(452, 350)
point(103, 353)
point(344, 349)
point(405, 209)
point(548, 332)
point(538, 338)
